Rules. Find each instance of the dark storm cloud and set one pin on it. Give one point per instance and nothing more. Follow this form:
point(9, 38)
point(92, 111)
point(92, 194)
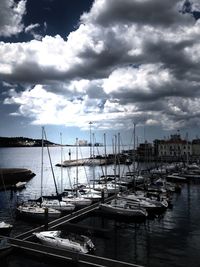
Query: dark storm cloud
point(172, 56)
point(147, 12)
point(126, 59)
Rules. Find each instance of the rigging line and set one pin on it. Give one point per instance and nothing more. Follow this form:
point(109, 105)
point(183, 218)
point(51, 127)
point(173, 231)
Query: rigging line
point(70, 182)
point(124, 166)
point(84, 167)
point(101, 166)
point(54, 179)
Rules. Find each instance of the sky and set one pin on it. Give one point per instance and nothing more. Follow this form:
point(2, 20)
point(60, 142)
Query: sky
point(115, 63)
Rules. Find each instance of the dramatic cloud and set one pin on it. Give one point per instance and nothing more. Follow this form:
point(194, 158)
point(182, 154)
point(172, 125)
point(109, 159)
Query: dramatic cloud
point(11, 14)
point(128, 60)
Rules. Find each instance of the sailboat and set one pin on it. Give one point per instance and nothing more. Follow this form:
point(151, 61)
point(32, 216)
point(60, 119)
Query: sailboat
point(72, 242)
point(58, 205)
point(119, 206)
point(76, 198)
point(103, 185)
point(35, 210)
point(91, 194)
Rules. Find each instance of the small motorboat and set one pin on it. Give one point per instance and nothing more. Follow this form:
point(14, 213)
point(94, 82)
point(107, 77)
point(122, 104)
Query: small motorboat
point(20, 185)
point(72, 242)
point(5, 228)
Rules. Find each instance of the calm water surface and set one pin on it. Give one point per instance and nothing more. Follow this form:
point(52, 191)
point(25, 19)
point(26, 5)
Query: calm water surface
point(172, 239)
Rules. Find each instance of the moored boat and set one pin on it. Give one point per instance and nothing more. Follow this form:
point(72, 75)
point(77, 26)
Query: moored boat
point(37, 212)
point(72, 242)
point(5, 228)
point(58, 205)
point(123, 208)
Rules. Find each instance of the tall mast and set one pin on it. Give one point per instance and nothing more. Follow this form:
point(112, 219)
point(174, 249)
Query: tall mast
point(42, 162)
point(134, 147)
point(104, 135)
point(76, 165)
point(54, 179)
point(115, 162)
point(187, 149)
point(118, 154)
point(93, 170)
point(90, 123)
point(61, 161)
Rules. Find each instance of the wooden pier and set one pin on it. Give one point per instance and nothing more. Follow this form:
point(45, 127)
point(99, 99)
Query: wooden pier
point(60, 221)
point(83, 260)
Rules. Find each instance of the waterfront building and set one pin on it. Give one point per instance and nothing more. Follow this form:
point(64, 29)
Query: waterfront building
point(196, 148)
point(174, 148)
point(82, 143)
point(145, 151)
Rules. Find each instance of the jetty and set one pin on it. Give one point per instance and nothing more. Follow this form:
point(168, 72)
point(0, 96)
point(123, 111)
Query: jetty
point(80, 259)
point(11, 176)
point(95, 160)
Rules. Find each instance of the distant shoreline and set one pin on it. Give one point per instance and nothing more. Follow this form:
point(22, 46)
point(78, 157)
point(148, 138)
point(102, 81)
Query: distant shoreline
point(24, 142)
point(6, 142)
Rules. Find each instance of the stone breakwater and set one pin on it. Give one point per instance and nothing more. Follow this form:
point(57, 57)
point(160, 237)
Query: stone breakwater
point(10, 176)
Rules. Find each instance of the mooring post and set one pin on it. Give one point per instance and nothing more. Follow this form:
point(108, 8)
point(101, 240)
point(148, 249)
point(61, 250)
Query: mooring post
point(102, 195)
point(46, 218)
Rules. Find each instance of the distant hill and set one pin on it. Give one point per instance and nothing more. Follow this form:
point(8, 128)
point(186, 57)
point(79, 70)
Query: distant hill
point(23, 142)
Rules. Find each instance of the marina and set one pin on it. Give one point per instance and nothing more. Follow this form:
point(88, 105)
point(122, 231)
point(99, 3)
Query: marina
point(118, 241)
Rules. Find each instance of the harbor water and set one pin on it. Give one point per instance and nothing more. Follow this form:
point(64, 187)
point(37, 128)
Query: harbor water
point(171, 239)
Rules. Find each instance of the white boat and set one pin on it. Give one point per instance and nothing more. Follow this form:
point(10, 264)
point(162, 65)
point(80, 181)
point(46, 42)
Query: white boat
point(121, 207)
point(151, 205)
point(72, 242)
point(110, 188)
point(78, 200)
point(20, 185)
point(58, 205)
point(36, 212)
point(92, 194)
point(5, 228)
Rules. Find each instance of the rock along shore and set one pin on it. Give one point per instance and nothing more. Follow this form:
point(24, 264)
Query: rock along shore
point(10, 176)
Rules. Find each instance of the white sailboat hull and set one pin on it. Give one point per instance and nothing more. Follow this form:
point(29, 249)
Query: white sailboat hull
point(58, 205)
point(37, 212)
point(78, 201)
point(119, 207)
